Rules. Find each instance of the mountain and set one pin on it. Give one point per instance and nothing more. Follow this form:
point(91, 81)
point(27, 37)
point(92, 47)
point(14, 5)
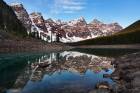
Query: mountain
point(78, 22)
point(38, 25)
point(107, 29)
point(57, 30)
point(76, 30)
point(129, 35)
point(134, 27)
point(9, 24)
point(22, 15)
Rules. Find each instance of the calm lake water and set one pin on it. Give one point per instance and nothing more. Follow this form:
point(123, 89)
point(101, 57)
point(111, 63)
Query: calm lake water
point(76, 71)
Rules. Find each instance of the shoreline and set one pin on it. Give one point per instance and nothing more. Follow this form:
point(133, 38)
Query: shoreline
point(119, 46)
point(11, 46)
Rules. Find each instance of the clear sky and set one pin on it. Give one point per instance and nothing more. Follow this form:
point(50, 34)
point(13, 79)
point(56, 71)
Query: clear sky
point(124, 12)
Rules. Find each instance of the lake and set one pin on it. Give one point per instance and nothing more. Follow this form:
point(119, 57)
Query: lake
point(75, 71)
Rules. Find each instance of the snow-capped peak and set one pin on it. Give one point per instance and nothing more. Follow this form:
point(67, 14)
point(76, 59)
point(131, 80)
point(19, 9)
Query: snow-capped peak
point(36, 15)
point(17, 4)
point(79, 21)
point(81, 18)
point(49, 20)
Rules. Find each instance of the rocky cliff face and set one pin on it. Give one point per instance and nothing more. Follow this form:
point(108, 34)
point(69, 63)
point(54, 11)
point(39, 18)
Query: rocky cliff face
point(38, 25)
point(79, 29)
point(72, 31)
point(9, 22)
point(104, 29)
point(22, 15)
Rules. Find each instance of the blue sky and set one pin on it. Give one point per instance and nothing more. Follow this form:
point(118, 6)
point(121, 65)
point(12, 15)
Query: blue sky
point(124, 12)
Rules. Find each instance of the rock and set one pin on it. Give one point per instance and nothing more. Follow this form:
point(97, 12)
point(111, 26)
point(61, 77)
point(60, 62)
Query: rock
point(103, 85)
point(136, 82)
point(43, 65)
point(107, 76)
point(128, 69)
point(100, 91)
point(115, 77)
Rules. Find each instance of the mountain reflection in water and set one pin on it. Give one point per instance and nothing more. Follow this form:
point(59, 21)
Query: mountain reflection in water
point(66, 72)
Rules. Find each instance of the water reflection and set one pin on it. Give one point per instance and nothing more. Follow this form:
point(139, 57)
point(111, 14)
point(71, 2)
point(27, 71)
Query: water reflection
point(66, 72)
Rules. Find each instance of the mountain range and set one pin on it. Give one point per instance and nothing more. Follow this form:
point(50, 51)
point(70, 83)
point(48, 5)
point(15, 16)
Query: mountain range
point(129, 35)
point(53, 30)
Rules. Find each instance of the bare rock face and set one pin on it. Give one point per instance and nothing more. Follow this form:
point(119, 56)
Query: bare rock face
point(38, 21)
point(78, 22)
point(22, 15)
point(104, 29)
point(56, 30)
point(34, 22)
point(38, 25)
point(76, 30)
point(9, 24)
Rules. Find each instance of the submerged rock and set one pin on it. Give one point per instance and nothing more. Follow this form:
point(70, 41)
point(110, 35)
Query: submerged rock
point(106, 75)
point(103, 85)
point(43, 65)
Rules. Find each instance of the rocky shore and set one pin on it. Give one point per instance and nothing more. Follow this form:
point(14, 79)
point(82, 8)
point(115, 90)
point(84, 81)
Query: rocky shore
point(10, 46)
point(127, 73)
point(126, 76)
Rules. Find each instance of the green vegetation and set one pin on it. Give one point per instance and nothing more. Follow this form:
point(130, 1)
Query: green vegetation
point(129, 35)
point(134, 27)
point(9, 22)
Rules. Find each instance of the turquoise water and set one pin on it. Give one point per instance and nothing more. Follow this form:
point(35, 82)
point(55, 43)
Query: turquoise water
point(65, 72)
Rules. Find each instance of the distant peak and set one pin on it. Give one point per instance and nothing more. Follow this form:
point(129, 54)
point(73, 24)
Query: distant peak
point(17, 4)
point(49, 20)
point(96, 21)
point(36, 13)
point(115, 23)
point(82, 18)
